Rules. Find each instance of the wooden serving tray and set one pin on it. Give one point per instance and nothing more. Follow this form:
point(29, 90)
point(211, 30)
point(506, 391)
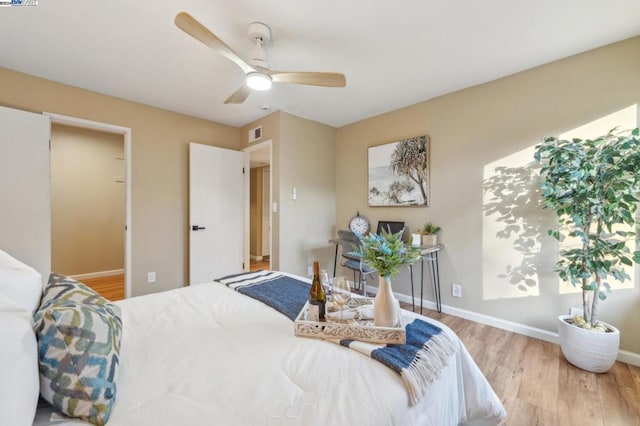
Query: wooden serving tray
point(357, 329)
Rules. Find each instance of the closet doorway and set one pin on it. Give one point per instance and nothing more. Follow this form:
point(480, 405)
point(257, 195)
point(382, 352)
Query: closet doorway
point(90, 206)
point(260, 206)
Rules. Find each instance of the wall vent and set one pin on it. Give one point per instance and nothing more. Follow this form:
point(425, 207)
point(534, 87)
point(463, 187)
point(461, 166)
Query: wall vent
point(255, 134)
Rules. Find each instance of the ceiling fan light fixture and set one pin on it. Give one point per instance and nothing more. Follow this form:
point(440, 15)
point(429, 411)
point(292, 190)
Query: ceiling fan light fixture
point(259, 81)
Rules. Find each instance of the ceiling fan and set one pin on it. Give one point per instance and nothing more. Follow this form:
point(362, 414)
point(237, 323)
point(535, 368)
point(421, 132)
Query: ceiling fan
point(259, 76)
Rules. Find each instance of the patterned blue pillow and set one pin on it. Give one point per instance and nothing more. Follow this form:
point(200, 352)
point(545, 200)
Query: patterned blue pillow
point(78, 347)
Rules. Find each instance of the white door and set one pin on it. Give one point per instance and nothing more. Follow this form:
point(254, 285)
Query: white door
point(25, 218)
point(216, 213)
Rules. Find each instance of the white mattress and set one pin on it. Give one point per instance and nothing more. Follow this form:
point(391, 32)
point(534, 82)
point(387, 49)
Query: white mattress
point(206, 355)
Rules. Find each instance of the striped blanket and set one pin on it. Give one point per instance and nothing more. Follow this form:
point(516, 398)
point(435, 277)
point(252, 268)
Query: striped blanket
point(418, 361)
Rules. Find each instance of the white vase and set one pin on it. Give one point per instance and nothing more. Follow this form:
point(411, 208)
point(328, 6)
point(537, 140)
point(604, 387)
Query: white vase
point(385, 305)
point(590, 350)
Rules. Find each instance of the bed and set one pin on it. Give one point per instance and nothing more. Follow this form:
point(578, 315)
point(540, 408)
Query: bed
point(208, 355)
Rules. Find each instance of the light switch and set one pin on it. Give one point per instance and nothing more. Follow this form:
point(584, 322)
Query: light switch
point(294, 193)
point(274, 207)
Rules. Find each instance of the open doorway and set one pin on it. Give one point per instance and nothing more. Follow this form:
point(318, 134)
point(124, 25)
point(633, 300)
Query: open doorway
point(259, 206)
point(90, 204)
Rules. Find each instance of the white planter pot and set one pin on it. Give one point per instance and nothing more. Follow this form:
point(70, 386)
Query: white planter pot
point(429, 240)
point(586, 349)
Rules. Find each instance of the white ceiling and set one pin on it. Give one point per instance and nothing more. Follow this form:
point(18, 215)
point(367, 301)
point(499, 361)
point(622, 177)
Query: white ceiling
point(393, 53)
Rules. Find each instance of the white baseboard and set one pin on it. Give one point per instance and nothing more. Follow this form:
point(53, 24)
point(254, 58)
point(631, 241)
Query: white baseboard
point(100, 274)
point(252, 257)
point(627, 357)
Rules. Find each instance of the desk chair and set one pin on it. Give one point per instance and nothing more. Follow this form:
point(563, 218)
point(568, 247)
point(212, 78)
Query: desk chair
point(348, 243)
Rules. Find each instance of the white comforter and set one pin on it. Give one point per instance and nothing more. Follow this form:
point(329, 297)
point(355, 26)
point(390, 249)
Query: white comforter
point(206, 355)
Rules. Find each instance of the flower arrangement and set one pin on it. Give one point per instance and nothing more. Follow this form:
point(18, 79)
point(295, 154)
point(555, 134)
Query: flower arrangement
point(386, 252)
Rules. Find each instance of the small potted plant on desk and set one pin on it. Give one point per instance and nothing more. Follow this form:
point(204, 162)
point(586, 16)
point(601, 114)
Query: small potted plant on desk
point(428, 235)
point(592, 185)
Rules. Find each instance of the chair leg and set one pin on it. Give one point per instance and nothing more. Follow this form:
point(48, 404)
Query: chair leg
point(364, 285)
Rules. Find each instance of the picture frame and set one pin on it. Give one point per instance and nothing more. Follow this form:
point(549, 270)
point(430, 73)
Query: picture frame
point(398, 173)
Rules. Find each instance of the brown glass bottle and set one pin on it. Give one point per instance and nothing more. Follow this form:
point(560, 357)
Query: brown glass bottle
point(317, 298)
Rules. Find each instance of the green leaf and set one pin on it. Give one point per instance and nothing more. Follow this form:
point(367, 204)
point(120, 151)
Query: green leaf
point(589, 183)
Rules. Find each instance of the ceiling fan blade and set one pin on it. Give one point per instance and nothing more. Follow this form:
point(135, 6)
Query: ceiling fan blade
point(195, 29)
point(239, 96)
point(327, 79)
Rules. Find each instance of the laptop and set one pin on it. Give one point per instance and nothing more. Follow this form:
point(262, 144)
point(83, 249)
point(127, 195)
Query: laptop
point(392, 227)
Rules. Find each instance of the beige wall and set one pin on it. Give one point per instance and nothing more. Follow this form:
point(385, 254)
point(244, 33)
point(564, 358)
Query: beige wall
point(473, 132)
point(87, 201)
point(303, 157)
point(307, 155)
point(159, 162)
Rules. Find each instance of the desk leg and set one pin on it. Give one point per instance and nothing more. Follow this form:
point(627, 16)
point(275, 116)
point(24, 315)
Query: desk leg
point(421, 284)
point(335, 261)
point(436, 281)
point(413, 300)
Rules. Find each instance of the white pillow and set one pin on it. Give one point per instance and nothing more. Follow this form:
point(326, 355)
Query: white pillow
point(19, 282)
point(19, 386)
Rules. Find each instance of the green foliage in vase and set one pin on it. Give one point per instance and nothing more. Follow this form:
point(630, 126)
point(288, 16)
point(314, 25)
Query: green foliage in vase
point(386, 252)
point(592, 186)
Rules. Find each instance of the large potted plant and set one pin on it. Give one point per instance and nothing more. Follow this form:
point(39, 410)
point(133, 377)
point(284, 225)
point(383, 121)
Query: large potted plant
point(592, 186)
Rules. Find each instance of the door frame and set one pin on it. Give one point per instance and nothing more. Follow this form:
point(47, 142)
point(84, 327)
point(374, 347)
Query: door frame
point(247, 189)
point(126, 133)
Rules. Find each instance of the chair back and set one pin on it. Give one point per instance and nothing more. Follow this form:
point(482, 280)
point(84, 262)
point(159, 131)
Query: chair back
point(348, 243)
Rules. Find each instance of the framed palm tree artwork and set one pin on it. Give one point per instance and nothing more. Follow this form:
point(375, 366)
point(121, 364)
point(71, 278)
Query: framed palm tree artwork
point(399, 173)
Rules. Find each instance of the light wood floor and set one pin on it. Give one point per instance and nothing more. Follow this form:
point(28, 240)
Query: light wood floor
point(531, 377)
point(255, 265)
point(111, 287)
point(539, 387)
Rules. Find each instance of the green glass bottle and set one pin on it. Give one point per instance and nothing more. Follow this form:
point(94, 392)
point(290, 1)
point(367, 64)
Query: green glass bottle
point(317, 298)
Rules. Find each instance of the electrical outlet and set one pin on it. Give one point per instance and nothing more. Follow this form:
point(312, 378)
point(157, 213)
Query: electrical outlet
point(456, 290)
point(151, 277)
point(310, 270)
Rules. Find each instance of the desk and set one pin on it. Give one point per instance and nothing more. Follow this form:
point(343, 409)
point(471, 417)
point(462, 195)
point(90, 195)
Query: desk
point(429, 254)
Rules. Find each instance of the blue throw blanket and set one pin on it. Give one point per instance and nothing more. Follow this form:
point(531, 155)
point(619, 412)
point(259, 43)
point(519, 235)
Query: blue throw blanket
point(285, 294)
point(419, 361)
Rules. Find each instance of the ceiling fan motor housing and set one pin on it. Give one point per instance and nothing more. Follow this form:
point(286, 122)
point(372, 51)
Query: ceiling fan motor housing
point(259, 31)
point(258, 57)
point(260, 35)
